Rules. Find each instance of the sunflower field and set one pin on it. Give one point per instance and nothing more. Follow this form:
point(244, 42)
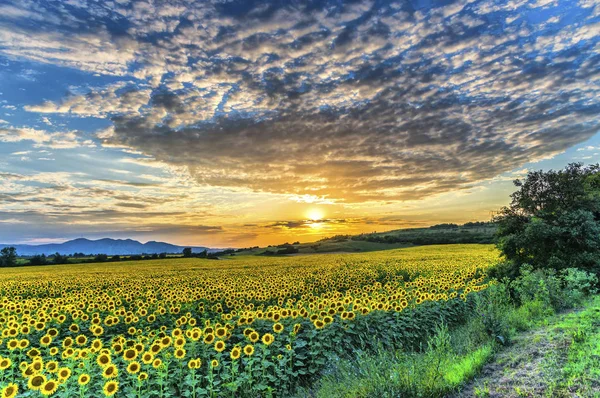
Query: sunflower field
point(244, 326)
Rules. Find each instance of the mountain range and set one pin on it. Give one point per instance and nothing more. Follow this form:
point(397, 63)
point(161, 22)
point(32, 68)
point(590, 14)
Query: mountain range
point(105, 246)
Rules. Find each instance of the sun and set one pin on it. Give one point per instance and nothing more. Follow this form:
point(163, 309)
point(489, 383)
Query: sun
point(315, 214)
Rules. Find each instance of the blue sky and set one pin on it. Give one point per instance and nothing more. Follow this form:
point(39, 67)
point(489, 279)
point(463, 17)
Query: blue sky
point(225, 123)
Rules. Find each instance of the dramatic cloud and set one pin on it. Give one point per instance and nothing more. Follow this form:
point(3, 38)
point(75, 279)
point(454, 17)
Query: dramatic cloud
point(324, 100)
point(41, 138)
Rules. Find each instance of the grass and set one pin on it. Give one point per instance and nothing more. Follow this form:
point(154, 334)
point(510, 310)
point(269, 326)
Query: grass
point(551, 354)
point(575, 366)
point(434, 372)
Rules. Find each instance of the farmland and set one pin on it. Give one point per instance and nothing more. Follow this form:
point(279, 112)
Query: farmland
point(243, 326)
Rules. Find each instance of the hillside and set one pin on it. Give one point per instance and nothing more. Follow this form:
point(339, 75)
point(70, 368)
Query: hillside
point(105, 246)
point(479, 232)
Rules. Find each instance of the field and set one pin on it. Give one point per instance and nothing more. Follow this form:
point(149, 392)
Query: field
point(242, 326)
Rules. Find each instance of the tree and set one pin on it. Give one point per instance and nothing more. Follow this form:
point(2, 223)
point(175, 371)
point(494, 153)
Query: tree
point(38, 260)
point(60, 259)
point(100, 258)
point(553, 220)
point(8, 257)
point(187, 252)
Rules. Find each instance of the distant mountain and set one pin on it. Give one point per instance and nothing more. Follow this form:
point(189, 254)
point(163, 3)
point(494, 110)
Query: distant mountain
point(105, 246)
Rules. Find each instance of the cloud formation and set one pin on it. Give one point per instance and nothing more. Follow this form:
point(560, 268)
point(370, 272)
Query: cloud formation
point(350, 101)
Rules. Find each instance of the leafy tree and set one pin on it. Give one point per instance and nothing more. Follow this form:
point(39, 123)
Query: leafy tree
point(38, 259)
point(8, 257)
point(187, 252)
point(59, 258)
point(100, 258)
point(553, 220)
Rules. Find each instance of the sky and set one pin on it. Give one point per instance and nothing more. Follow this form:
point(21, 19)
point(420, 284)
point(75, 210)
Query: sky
point(240, 123)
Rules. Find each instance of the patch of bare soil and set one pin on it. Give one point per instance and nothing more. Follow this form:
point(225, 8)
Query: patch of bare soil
point(522, 370)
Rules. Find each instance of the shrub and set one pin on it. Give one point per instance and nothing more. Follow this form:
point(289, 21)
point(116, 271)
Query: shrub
point(578, 284)
point(541, 285)
point(491, 307)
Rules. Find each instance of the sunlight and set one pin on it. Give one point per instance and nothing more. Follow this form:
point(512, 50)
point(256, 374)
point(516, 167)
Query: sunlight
point(315, 214)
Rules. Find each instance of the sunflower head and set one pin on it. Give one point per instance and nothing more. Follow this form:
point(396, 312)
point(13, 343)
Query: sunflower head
point(83, 379)
point(49, 387)
point(248, 350)
point(10, 391)
point(110, 388)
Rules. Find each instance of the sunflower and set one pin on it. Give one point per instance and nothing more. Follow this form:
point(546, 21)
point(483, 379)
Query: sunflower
point(83, 379)
point(268, 338)
point(209, 338)
point(142, 376)
point(235, 353)
point(53, 351)
point(81, 340)
point(10, 391)
point(36, 382)
point(192, 364)
point(5, 363)
point(221, 332)
point(45, 340)
point(248, 350)
point(156, 364)
point(133, 367)
point(110, 372)
point(37, 366)
point(219, 346)
point(319, 324)
point(214, 363)
point(64, 374)
point(179, 353)
point(13, 344)
point(103, 360)
point(49, 387)
point(130, 354)
point(253, 337)
point(277, 327)
point(110, 388)
point(147, 358)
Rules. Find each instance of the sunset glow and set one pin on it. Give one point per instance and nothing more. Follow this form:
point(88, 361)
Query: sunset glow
point(238, 123)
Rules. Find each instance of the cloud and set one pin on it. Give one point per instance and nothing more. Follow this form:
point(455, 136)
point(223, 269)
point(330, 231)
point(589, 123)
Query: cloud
point(119, 98)
point(42, 138)
point(344, 102)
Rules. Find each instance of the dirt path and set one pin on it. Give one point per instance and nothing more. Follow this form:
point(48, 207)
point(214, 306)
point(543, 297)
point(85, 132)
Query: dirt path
point(531, 367)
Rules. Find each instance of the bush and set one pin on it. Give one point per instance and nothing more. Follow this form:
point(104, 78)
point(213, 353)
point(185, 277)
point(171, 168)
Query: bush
point(577, 285)
point(491, 307)
point(541, 285)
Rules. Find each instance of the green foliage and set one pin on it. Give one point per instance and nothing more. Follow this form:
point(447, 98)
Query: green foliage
point(435, 372)
point(553, 221)
point(8, 257)
point(578, 284)
point(539, 285)
point(491, 307)
point(452, 356)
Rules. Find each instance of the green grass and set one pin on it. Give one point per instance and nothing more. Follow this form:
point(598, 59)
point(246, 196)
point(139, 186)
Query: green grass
point(453, 357)
point(439, 369)
point(576, 367)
